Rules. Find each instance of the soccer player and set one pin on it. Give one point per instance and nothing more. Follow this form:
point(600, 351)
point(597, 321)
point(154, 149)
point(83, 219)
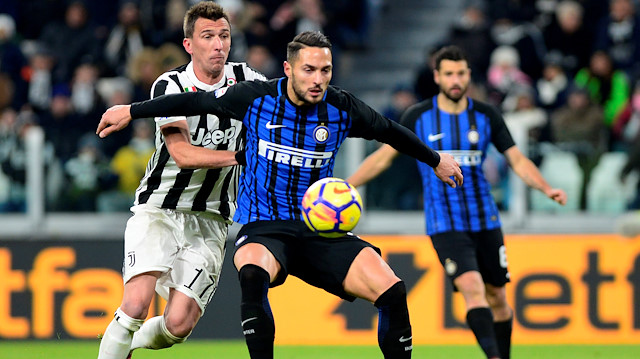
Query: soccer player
point(294, 127)
point(175, 241)
point(463, 225)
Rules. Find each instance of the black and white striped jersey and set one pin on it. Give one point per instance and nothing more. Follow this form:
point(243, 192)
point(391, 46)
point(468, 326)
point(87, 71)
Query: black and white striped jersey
point(212, 190)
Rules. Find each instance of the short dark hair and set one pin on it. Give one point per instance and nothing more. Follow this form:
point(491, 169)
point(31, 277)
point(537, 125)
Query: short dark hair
point(205, 9)
point(452, 52)
point(306, 39)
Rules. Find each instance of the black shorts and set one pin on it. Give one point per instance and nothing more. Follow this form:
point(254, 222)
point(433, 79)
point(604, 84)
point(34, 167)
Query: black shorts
point(483, 251)
point(319, 261)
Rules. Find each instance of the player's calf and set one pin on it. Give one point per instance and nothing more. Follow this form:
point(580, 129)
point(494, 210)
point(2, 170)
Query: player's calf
point(258, 326)
point(394, 328)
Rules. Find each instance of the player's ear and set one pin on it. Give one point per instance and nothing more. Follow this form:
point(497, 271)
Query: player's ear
point(186, 43)
point(287, 68)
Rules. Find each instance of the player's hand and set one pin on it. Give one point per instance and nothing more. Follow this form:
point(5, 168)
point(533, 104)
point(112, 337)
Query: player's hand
point(114, 119)
point(557, 195)
point(447, 168)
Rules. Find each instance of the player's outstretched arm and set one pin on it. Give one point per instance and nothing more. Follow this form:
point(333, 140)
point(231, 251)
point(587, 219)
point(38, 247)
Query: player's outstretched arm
point(373, 165)
point(114, 119)
point(447, 168)
point(530, 174)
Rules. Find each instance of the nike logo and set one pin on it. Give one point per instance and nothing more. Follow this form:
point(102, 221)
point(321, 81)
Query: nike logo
point(403, 339)
point(340, 191)
point(433, 138)
point(250, 319)
point(271, 127)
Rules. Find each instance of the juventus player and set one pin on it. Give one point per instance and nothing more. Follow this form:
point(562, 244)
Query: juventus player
point(295, 126)
point(175, 240)
point(464, 225)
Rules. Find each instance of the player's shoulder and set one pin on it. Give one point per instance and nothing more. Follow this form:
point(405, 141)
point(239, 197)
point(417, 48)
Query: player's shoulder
point(170, 81)
point(416, 110)
point(485, 108)
point(241, 71)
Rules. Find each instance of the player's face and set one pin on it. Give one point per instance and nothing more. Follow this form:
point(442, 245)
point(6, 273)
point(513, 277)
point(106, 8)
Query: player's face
point(309, 75)
point(453, 77)
point(209, 47)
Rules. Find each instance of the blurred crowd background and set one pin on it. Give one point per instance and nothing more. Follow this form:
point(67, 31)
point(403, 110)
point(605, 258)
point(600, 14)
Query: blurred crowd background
point(568, 72)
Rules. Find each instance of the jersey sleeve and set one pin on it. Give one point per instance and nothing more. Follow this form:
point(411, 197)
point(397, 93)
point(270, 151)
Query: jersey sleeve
point(227, 101)
point(163, 86)
point(500, 135)
point(369, 124)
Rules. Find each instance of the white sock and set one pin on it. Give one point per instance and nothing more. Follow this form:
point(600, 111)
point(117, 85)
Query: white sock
point(154, 335)
point(116, 341)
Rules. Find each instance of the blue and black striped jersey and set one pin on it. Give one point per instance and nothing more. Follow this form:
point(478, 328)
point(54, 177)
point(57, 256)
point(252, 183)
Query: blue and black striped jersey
point(288, 147)
point(466, 136)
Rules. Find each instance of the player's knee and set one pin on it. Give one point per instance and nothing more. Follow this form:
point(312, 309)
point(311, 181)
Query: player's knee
point(397, 293)
point(135, 309)
point(180, 326)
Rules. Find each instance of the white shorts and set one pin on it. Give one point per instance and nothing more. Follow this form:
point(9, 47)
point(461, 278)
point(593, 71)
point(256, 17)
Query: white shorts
point(187, 248)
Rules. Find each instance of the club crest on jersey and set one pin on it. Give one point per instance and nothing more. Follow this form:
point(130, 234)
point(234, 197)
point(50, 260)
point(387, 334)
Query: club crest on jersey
point(221, 91)
point(321, 134)
point(231, 81)
point(473, 136)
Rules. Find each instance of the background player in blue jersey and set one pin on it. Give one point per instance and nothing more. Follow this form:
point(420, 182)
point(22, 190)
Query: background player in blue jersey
point(463, 224)
point(294, 128)
point(175, 241)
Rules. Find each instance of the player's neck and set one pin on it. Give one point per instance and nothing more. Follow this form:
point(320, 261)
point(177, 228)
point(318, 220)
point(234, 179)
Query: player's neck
point(207, 77)
point(447, 105)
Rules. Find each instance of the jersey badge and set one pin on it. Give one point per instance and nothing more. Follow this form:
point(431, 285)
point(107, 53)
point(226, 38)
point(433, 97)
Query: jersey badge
point(450, 266)
point(321, 134)
point(231, 81)
point(473, 136)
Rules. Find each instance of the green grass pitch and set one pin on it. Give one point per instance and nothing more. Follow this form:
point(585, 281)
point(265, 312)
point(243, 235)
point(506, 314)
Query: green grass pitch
point(200, 349)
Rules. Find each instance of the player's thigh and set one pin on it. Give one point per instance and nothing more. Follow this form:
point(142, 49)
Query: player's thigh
point(456, 252)
point(138, 293)
point(198, 264)
point(150, 243)
point(369, 276)
point(492, 257)
point(325, 262)
point(264, 244)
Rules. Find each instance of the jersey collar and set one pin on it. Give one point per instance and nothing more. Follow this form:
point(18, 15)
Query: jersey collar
point(201, 85)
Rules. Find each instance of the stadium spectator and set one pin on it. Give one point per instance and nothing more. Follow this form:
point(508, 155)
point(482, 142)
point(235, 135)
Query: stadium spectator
point(71, 42)
point(87, 174)
point(472, 31)
point(129, 164)
point(143, 69)
point(260, 58)
point(608, 86)
point(13, 63)
point(126, 38)
point(423, 85)
point(578, 127)
point(40, 79)
point(626, 129)
point(504, 75)
point(553, 86)
point(568, 37)
point(464, 226)
point(62, 125)
point(618, 34)
point(525, 38)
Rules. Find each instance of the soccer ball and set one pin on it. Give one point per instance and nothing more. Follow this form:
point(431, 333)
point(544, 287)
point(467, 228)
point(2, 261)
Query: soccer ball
point(331, 207)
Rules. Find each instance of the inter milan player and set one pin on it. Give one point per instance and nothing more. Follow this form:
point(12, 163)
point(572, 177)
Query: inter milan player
point(463, 225)
point(294, 128)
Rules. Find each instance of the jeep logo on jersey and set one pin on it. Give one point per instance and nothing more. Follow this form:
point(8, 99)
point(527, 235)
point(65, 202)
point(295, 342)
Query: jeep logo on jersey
point(466, 158)
point(321, 134)
point(215, 137)
point(293, 156)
